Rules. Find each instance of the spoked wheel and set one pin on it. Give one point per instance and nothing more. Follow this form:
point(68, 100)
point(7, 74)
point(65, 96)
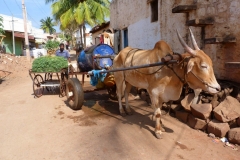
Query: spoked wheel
point(48, 77)
point(75, 95)
point(37, 88)
point(63, 81)
point(112, 92)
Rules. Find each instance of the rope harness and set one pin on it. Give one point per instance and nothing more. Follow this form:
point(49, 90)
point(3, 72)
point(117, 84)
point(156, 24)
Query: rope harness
point(182, 61)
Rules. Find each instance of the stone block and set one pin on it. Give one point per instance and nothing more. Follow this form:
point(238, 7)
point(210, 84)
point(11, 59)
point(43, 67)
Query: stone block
point(182, 116)
point(228, 110)
point(187, 101)
point(196, 123)
point(234, 136)
point(217, 128)
point(222, 7)
point(176, 107)
point(202, 111)
point(233, 124)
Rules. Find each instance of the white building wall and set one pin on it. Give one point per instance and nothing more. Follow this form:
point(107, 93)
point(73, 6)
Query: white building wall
point(143, 36)
point(18, 24)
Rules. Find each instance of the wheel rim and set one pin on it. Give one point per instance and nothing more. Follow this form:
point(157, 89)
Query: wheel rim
point(48, 77)
point(71, 98)
point(37, 88)
point(64, 78)
point(112, 92)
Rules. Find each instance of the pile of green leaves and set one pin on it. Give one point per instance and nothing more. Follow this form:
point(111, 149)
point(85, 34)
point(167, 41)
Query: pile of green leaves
point(49, 64)
point(52, 44)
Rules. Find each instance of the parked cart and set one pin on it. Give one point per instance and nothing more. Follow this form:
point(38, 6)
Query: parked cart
point(99, 59)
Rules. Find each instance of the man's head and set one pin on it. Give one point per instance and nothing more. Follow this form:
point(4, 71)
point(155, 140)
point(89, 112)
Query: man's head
point(61, 47)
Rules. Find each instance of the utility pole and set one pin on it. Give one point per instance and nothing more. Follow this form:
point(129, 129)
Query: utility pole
point(26, 31)
point(13, 37)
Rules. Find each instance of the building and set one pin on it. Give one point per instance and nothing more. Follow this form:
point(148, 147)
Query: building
point(214, 24)
point(97, 32)
point(36, 36)
point(78, 36)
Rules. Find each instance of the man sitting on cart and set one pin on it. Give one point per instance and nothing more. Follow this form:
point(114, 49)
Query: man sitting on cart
point(63, 53)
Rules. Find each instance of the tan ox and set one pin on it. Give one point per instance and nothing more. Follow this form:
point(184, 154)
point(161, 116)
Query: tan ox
point(162, 83)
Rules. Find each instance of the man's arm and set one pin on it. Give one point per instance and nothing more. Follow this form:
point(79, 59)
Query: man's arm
point(68, 55)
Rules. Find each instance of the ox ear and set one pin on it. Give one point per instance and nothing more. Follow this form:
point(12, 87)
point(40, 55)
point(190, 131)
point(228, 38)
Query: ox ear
point(190, 66)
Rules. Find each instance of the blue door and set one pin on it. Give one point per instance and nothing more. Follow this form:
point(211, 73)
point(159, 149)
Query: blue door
point(125, 38)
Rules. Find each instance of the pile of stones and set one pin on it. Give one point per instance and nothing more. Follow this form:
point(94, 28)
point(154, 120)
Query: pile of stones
point(217, 114)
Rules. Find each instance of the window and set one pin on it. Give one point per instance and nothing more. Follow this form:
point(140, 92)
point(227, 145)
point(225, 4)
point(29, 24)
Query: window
point(154, 10)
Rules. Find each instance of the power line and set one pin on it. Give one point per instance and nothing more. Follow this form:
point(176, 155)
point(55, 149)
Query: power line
point(8, 7)
point(27, 13)
point(36, 2)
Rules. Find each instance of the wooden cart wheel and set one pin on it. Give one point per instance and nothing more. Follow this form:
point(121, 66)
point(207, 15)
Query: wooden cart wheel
point(48, 77)
point(63, 81)
point(112, 92)
point(75, 95)
point(37, 88)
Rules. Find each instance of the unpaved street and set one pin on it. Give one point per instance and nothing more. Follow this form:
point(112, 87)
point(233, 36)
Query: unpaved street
point(45, 128)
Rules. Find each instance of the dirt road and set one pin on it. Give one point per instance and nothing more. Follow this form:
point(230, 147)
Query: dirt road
point(46, 128)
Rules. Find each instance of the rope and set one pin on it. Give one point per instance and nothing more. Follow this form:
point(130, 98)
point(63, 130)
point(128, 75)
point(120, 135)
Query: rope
point(142, 72)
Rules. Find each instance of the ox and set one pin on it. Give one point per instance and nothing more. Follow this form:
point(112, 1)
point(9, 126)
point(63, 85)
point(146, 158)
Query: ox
point(163, 83)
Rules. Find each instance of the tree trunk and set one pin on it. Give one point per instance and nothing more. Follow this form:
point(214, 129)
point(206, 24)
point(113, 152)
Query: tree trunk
point(84, 35)
point(80, 29)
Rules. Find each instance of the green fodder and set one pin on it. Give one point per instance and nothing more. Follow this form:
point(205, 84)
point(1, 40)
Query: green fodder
point(49, 64)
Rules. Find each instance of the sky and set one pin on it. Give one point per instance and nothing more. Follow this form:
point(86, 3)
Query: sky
point(36, 9)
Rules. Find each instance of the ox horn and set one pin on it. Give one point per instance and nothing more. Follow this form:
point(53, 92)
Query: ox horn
point(186, 47)
point(193, 40)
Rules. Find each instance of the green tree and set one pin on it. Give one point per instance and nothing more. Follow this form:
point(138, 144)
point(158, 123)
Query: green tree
point(1, 25)
point(47, 25)
point(81, 12)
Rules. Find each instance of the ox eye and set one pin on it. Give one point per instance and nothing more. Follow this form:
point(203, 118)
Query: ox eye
point(204, 66)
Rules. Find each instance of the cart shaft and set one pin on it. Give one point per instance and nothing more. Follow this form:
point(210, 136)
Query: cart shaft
point(136, 67)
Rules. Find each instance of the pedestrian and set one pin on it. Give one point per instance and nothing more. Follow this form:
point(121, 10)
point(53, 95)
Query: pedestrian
point(63, 53)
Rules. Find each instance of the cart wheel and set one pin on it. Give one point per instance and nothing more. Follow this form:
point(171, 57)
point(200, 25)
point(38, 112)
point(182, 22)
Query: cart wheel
point(112, 92)
point(75, 95)
point(37, 88)
point(48, 77)
point(63, 81)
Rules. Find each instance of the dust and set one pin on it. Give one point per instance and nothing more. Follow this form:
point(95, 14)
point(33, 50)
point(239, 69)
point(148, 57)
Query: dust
point(21, 102)
point(60, 113)
point(82, 120)
point(180, 156)
point(182, 146)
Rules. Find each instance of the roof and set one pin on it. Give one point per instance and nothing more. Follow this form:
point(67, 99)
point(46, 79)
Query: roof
point(21, 35)
point(99, 27)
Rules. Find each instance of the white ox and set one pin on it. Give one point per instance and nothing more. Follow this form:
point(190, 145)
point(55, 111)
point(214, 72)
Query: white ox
point(163, 84)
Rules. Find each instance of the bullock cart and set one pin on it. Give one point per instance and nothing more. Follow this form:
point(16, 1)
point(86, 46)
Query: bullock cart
point(67, 84)
point(72, 88)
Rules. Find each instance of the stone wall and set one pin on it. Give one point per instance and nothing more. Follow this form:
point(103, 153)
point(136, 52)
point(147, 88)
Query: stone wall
point(136, 15)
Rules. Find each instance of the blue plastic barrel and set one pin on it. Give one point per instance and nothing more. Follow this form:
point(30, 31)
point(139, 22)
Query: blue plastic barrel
point(85, 59)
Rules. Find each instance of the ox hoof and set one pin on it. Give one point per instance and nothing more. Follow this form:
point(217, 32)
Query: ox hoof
point(162, 129)
point(129, 112)
point(123, 114)
point(158, 135)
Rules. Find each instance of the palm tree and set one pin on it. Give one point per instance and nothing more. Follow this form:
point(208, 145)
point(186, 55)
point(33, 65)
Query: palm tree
point(91, 12)
point(47, 25)
point(1, 25)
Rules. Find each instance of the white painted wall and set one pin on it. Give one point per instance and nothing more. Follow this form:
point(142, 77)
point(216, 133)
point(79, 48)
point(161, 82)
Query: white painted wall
point(18, 24)
point(142, 35)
